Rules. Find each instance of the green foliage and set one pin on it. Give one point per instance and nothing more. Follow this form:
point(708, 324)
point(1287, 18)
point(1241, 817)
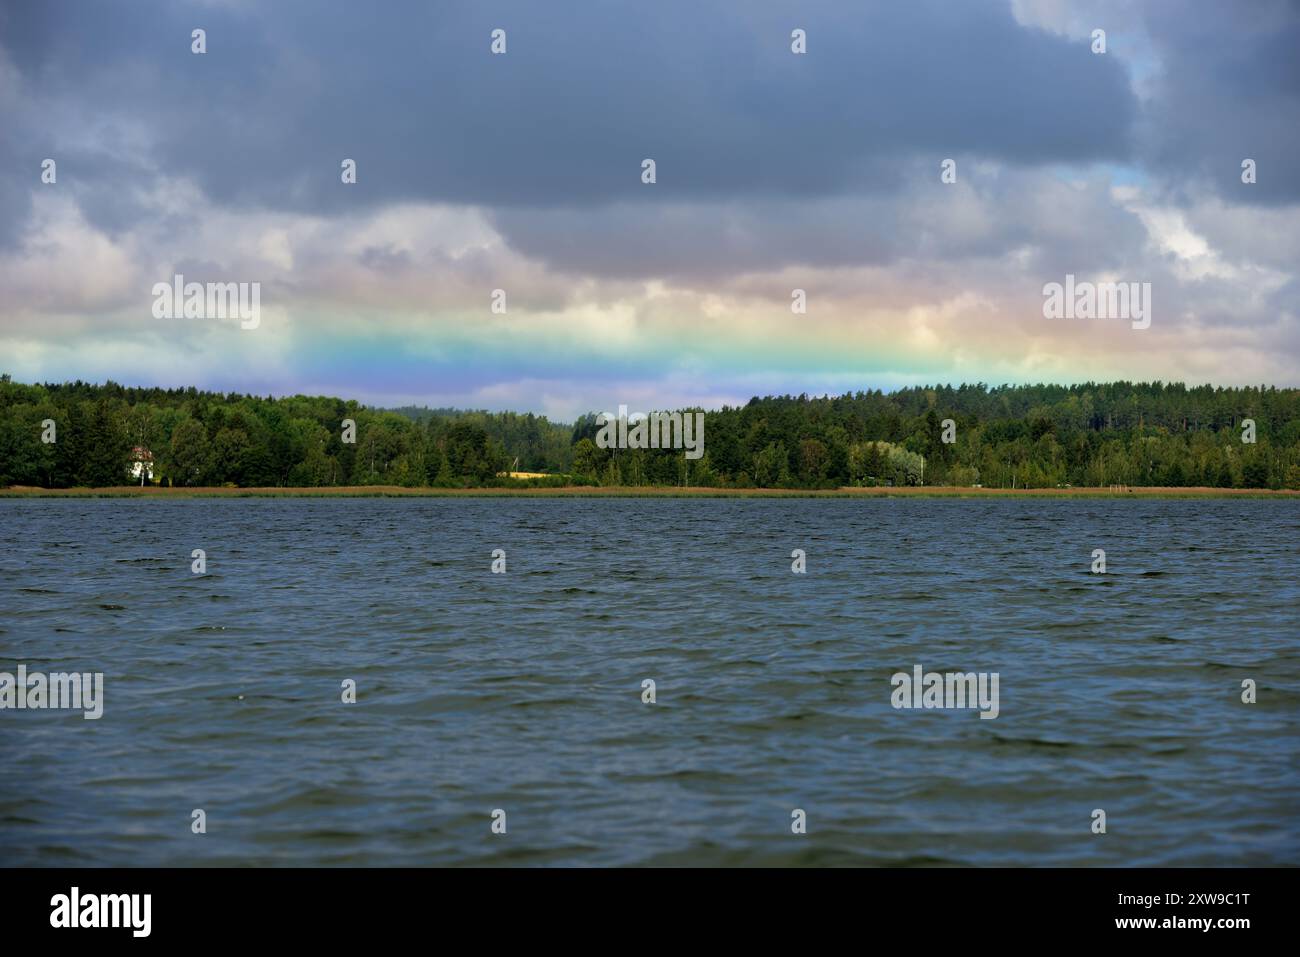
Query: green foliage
point(204, 438)
point(1034, 436)
point(1094, 434)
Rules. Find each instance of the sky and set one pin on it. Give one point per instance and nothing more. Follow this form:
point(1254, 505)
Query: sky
point(522, 171)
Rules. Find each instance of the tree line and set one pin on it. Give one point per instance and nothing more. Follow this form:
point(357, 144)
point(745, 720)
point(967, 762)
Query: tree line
point(1022, 436)
point(1009, 436)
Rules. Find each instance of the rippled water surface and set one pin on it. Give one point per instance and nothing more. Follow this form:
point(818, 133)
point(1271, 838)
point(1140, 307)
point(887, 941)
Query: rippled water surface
point(522, 691)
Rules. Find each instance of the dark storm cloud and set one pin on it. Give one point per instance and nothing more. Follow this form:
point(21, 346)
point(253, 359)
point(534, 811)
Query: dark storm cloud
point(711, 91)
point(923, 219)
point(1229, 89)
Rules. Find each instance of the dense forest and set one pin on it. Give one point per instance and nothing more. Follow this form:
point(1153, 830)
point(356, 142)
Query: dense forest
point(1029, 436)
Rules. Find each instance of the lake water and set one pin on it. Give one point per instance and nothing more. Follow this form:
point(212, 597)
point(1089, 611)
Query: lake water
point(522, 691)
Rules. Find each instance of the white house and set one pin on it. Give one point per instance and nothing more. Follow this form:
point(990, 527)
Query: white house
point(141, 466)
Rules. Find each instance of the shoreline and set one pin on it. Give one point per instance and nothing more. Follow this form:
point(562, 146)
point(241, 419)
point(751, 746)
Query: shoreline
point(587, 491)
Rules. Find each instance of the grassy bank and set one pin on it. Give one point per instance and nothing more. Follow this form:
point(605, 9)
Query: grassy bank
point(393, 491)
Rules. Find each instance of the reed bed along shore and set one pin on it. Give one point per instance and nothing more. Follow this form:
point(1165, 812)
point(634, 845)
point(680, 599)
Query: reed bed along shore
point(588, 491)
